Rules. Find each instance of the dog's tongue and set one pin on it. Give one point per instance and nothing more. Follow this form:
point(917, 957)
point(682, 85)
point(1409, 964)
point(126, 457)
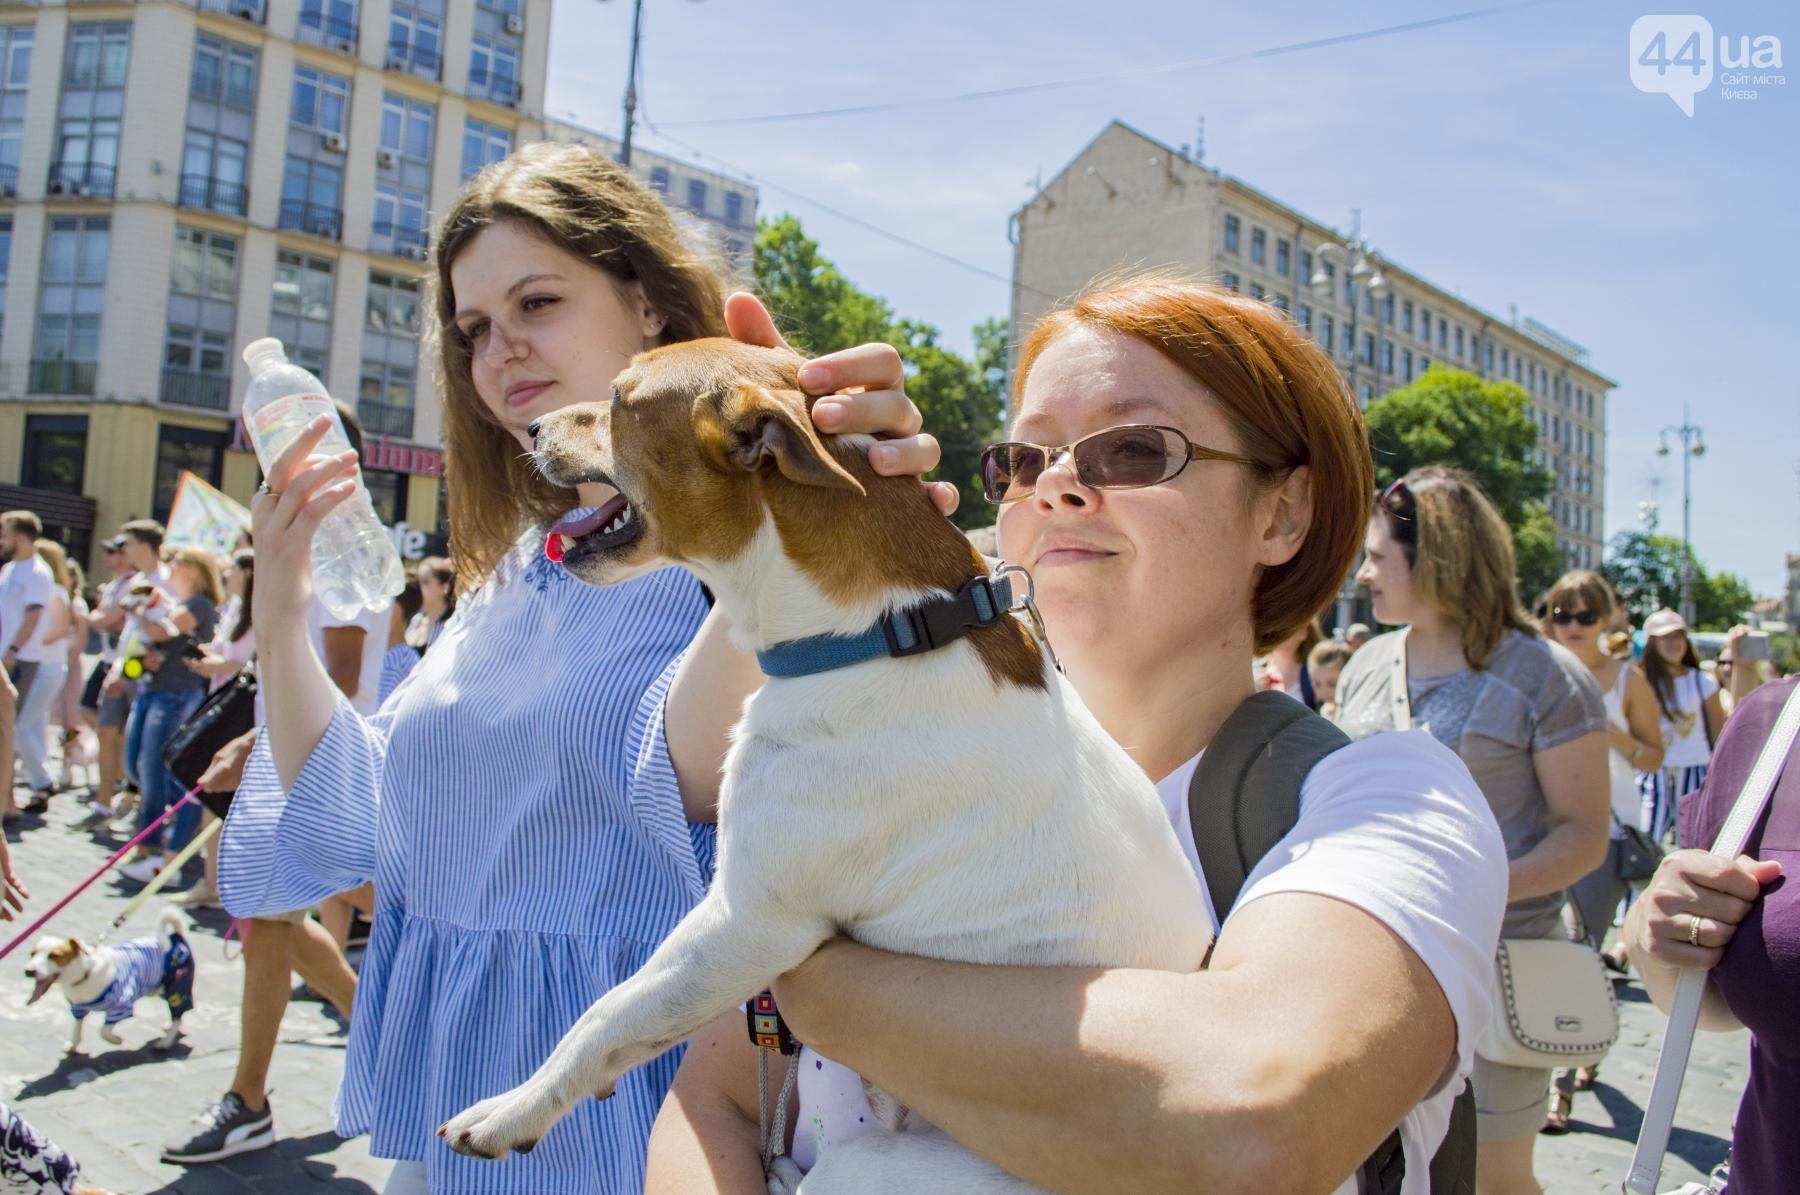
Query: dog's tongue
point(576, 524)
point(43, 985)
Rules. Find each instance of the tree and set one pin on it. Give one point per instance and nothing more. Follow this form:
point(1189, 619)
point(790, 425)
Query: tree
point(1452, 417)
point(1646, 570)
point(819, 310)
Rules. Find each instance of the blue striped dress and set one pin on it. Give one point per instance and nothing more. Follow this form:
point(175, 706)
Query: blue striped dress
point(526, 854)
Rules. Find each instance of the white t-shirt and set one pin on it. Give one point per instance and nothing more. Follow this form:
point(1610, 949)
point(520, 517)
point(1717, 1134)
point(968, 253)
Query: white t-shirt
point(24, 584)
point(1393, 825)
point(374, 624)
point(1684, 735)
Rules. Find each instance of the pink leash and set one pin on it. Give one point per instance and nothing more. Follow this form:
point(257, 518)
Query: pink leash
point(104, 868)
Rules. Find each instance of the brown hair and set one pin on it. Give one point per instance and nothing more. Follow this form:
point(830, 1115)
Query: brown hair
point(1461, 553)
point(244, 559)
point(23, 521)
point(1662, 680)
point(588, 205)
point(1329, 653)
point(1286, 405)
point(206, 569)
point(441, 570)
point(148, 532)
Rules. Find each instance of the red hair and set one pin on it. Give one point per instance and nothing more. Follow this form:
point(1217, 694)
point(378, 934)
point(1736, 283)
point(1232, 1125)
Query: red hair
point(1286, 404)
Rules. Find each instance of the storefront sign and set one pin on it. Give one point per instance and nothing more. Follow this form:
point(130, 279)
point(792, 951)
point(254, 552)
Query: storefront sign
point(379, 452)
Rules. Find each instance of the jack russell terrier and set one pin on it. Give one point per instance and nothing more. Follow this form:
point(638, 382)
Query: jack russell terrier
point(915, 774)
point(110, 980)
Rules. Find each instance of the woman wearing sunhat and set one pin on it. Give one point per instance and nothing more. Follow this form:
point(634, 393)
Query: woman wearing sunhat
point(1691, 717)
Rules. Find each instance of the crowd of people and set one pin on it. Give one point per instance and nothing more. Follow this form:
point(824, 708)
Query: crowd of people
point(514, 776)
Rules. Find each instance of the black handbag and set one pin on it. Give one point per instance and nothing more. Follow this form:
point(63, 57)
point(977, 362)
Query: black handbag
point(229, 712)
point(1639, 854)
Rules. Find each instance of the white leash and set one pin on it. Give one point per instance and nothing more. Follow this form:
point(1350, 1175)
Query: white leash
point(1671, 1066)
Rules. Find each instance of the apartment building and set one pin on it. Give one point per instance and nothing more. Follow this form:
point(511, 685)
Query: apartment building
point(1128, 201)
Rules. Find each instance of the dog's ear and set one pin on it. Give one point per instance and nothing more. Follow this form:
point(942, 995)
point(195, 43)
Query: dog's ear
point(764, 427)
point(65, 952)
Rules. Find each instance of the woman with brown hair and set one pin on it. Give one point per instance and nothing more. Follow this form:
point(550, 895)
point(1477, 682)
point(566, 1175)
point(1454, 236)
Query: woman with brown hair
point(437, 602)
point(1692, 717)
point(1525, 715)
point(1187, 481)
point(518, 872)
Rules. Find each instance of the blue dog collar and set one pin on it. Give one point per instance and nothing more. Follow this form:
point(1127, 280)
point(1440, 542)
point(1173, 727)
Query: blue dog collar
point(981, 602)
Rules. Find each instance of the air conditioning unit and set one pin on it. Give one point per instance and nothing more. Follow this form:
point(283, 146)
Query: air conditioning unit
point(341, 44)
point(396, 62)
point(515, 24)
point(57, 187)
point(248, 14)
point(324, 228)
point(81, 189)
point(384, 158)
point(334, 142)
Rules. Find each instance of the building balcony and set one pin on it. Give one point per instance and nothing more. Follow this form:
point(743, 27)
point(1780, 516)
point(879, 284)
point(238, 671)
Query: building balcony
point(414, 59)
point(214, 194)
point(185, 388)
point(57, 376)
point(500, 89)
point(400, 240)
point(328, 31)
point(9, 182)
point(385, 419)
point(80, 178)
point(311, 218)
point(244, 10)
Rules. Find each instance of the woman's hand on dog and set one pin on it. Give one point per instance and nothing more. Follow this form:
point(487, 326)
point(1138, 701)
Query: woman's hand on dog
point(867, 389)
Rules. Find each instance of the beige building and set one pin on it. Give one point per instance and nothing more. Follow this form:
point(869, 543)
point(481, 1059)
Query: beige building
point(178, 179)
point(1127, 201)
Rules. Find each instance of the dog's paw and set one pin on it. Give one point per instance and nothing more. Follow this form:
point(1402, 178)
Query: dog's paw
point(510, 1123)
point(166, 1042)
point(108, 1035)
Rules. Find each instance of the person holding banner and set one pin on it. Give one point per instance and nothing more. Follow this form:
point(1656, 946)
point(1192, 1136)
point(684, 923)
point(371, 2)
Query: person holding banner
point(1738, 920)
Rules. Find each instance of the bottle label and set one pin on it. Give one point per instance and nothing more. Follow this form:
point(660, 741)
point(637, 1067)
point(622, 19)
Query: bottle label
point(275, 425)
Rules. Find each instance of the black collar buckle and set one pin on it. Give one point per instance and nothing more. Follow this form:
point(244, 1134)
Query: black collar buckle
point(982, 601)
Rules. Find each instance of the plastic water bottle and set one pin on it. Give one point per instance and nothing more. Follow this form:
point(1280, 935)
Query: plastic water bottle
point(355, 566)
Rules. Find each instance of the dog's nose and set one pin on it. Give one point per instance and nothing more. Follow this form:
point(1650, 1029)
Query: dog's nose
point(532, 431)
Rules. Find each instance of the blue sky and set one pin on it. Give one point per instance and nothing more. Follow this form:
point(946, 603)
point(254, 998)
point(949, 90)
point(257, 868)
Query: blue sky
point(1507, 157)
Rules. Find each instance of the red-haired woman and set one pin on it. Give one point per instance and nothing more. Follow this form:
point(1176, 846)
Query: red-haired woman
point(1187, 481)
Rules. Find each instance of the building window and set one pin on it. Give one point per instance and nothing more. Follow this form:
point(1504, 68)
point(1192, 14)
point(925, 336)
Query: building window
point(205, 265)
point(223, 73)
point(1368, 349)
point(1231, 234)
point(1306, 266)
point(300, 312)
point(659, 180)
point(1283, 251)
point(1425, 325)
point(1256, 290)
point(1349, 341)
point(1490, 356)
point(696, 196)
point(384, 398)
point(483, 145)
point(387, 491)
point(1229, 280)
point(196, 368)
point(493, 71)
point(15, 77)
point(1443, 333)
point(390, 352)
point(1406, 372)
point(330, 23)
point(321, 101)
point(1326, 329)
point(1459, 340)
point(1259, 242)
point(734, 208)
point(87, 156)
point(399, 220)
point(1387, 356)
point(1406, 324)
point(1505, 362)
point(1387, 310)
point(312, 197)
point(1280, 300)
point(415, 42)
point(1424, 363)
point(179, 450)
point(69, 305)
point(55, 453)
point(213, 170)
point(406, 128)
point(5, 265)
point(1305, 314)
point(393, 305)
point(97, 57)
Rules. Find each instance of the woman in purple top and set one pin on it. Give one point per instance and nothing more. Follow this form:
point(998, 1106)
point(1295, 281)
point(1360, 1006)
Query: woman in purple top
point(1745, 917)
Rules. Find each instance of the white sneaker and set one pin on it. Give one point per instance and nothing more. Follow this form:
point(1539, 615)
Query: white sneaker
point(143, 871)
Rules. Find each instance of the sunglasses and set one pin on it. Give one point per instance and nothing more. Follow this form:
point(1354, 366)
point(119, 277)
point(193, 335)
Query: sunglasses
point(1129, 457)
point(1563, 618)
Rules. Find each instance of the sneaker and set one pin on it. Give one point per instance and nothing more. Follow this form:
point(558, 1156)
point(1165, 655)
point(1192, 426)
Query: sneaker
point(225, 1129)
point(143, 871)
point(201, 896)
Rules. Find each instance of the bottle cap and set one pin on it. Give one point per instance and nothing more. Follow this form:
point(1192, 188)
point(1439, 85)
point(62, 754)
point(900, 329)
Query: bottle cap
point(260, 354)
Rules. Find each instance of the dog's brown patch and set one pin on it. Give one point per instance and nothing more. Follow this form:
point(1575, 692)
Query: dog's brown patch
point(65, 952)
point(719, 431)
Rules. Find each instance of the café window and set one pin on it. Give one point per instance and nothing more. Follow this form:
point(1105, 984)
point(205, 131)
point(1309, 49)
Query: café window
point(200, 451)
point(387, 490)
point(55, 453)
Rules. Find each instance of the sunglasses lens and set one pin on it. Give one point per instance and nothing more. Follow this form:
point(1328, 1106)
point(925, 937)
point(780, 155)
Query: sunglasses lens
point(1008, 471)
point(1126, 458)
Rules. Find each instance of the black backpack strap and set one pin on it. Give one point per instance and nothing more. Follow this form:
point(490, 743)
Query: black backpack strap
point(1245, 795)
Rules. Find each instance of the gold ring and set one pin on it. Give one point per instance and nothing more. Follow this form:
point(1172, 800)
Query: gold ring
point(1693, 930)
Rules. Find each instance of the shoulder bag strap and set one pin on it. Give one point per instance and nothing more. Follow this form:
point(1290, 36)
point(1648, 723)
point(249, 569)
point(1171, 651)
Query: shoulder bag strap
point(1684, 1015)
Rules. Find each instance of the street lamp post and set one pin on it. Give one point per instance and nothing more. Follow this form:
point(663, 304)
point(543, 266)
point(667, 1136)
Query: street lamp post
point(1693, 444)
point(1364, 278)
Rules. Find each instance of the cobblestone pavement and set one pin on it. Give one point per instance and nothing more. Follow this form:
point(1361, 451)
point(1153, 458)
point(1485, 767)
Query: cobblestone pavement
point(113, 1106)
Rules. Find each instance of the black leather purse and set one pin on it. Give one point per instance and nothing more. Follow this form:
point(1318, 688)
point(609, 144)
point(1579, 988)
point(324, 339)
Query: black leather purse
point(227, 713)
